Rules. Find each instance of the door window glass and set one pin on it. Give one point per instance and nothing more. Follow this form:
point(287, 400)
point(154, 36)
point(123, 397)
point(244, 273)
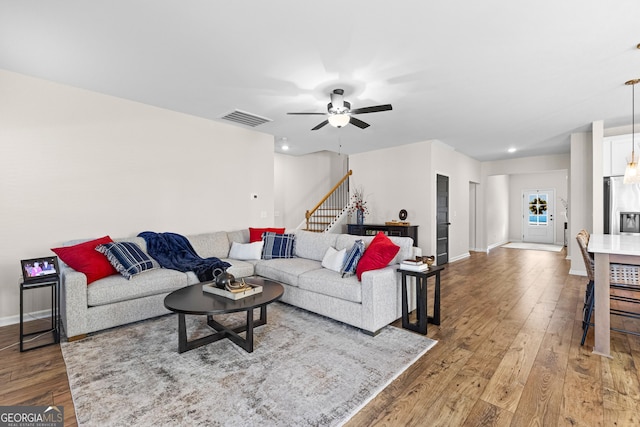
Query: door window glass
point(538, 210)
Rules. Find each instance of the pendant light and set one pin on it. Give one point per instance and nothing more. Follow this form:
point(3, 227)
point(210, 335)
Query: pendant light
point(632, 174)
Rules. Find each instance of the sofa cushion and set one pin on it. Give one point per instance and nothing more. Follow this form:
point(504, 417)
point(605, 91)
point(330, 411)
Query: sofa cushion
point(286, 270)
point(327, 282)
point(314, 245)
point(406, 245)
point(256, 234)
point(278, 245)
point(209, 245)
point(240, 236)
point(241, 268)
point(380, 252)
point(116, 288)
point(127, 258)
point(406, 249)
point(83, 257)
point(246, 251)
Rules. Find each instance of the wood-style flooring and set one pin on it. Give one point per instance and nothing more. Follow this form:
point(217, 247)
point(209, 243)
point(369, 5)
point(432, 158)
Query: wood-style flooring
point(508, 353)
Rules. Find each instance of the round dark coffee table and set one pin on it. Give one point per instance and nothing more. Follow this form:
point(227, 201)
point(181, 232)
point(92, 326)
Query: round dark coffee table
point(193, 300)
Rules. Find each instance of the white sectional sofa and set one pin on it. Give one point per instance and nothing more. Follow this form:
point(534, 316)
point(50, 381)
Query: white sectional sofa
point(369, 304)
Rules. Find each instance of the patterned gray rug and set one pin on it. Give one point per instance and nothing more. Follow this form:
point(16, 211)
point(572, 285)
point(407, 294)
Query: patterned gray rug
point(306, 370)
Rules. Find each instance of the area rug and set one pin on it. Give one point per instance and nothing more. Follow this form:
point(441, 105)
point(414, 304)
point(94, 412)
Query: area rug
point(306, 370)
point(533, 246)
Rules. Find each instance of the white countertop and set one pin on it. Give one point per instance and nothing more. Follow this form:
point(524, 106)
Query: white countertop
point(618, 244)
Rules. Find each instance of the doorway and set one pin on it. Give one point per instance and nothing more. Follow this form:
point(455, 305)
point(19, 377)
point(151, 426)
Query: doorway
point(442, 219)
point(538, 209)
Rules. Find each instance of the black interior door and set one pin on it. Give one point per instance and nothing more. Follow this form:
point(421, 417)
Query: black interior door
point(442, 219)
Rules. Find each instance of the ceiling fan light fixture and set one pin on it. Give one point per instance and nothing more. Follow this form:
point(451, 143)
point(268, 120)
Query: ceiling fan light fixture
point(339, 120)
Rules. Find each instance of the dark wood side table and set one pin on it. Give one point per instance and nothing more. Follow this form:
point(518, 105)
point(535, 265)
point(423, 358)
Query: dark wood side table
point(420, 325)
point(54, 284)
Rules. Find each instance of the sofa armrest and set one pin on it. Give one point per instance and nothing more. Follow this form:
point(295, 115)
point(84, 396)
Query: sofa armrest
point(74, 302)
point(380, 290)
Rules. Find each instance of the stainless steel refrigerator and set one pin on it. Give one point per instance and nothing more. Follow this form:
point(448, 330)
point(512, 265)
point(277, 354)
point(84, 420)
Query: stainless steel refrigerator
point(621, 206)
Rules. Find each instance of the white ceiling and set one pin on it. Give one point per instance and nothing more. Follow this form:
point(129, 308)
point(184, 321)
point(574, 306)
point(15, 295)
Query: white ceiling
point(479, 76)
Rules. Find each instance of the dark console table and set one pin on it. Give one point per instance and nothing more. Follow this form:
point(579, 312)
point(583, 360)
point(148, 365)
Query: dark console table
point(389, 230)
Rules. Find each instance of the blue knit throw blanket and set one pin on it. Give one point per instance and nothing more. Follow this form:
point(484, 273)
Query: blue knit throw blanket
point(174, 251)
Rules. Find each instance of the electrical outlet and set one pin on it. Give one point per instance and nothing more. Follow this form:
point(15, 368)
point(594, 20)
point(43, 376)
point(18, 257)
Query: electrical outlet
point(263, 214)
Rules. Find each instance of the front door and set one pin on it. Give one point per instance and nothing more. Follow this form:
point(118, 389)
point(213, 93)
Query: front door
point(538, 209)
point(442, 219)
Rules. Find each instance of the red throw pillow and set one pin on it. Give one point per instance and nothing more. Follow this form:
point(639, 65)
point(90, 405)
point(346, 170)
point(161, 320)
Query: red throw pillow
point(379, 254)
point(85, 259)
point(255, 234)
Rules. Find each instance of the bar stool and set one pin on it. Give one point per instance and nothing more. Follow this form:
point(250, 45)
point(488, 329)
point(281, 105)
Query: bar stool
point(623, 277)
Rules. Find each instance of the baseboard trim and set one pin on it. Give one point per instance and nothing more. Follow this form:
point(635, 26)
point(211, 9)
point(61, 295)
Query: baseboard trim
point(496, 245)
point(578, 272)
point(35, 315)
point(460, 257)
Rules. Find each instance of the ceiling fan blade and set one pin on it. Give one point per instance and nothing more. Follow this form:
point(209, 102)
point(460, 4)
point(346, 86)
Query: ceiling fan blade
point(321, 125)
point(373, 109)
point(359, 123)
point(308, 114)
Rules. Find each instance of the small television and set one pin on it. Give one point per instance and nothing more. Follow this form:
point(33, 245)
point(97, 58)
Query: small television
point(38, 269)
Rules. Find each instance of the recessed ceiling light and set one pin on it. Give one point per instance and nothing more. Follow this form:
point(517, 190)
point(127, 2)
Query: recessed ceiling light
point(511, 150)
point(285, 147)
point(283, 143)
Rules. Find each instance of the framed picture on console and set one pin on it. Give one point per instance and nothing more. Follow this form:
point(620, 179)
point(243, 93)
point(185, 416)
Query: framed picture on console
point(37, 269)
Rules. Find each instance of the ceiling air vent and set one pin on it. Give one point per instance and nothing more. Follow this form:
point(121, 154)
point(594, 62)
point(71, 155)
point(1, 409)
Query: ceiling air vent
point(244, 118)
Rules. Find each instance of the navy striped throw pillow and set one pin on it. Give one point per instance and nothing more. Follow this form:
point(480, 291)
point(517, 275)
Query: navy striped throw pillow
point(278, 245)
point(352, 258)
point(127, 258)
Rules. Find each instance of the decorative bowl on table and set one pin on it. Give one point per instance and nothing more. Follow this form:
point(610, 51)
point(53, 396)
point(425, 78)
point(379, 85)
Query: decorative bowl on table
point(224, 279)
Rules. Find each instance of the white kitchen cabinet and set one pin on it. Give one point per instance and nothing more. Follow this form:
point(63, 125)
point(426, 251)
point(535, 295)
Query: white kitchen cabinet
point(617, 153)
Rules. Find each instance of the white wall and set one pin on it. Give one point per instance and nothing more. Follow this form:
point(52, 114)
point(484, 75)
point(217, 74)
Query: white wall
point(488, 235)
point(77, 164)
point(394, 179)
point(521, 165)
point(301, 182)
point(461, 170)
point(581, 195)
point(405, 178)
point(496, 203)
point(518, 183)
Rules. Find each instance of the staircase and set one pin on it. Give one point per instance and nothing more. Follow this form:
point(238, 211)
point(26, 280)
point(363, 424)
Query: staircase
point(330, 209)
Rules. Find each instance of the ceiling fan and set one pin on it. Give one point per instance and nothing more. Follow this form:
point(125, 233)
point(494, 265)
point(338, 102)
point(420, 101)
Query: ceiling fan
point(340, 112)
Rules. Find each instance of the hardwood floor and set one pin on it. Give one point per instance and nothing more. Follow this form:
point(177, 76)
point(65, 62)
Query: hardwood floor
point(508, 354)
